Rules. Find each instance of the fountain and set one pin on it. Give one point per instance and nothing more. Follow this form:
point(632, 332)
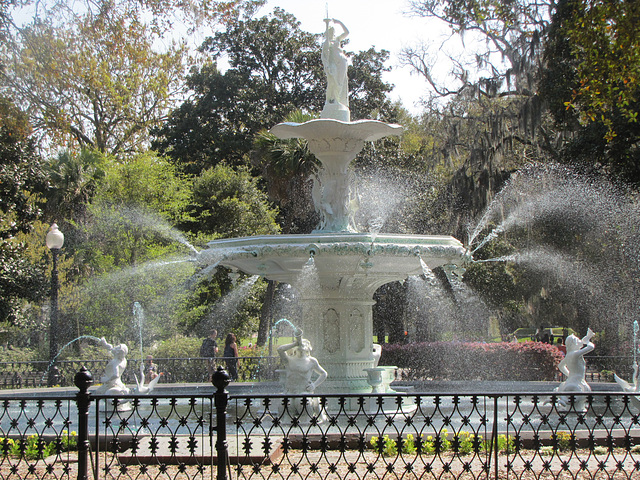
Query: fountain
point(349, 266)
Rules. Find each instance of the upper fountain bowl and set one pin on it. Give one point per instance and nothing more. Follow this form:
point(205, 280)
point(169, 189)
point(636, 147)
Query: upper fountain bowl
point(334, 142)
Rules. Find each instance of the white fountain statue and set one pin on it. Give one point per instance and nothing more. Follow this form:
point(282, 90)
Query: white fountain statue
point(112, 383)
point(300, 366)
point(337, 314)
point(335, 64)
point(574, 367)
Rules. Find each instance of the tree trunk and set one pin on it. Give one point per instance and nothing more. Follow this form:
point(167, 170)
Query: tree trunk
point(265, 314)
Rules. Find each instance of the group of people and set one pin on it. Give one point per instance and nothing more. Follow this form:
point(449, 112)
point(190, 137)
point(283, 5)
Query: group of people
point(209, 349)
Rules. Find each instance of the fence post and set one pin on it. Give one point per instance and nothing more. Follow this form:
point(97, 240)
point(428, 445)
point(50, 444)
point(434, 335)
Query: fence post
point(220, 380)
point(83, 381)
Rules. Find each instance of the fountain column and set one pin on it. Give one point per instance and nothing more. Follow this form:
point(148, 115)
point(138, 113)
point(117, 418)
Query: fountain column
point(341, 333)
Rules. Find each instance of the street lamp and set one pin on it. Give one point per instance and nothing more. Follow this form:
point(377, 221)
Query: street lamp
point(55, 240)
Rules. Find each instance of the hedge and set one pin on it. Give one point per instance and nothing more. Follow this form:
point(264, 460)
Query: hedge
point(526, 361)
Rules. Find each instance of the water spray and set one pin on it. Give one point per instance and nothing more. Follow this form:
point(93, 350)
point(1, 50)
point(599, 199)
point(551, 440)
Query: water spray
point(138, 314)
point(635, 340)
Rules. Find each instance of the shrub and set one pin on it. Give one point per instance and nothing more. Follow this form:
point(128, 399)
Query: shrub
point(527, 361)
point(180, 347)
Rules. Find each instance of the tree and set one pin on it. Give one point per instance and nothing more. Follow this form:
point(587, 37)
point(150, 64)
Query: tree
point(274, 69)
point(494, 115)
point(604, 38)
point(228, 203)
point(163, 14)
point(22, 181)
point(507, 49)
point(94, 84)
point(74, 179)
point(127, 249)
point(99, 74)
point(590, 82)
point(287, 167)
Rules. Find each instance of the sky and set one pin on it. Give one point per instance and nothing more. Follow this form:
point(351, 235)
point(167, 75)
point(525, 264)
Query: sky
point(372, 23)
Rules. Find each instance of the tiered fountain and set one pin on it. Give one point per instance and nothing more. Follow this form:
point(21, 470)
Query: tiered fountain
point(347, 266)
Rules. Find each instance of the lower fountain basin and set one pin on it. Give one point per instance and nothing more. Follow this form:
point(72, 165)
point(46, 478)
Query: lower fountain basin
point(336, 276)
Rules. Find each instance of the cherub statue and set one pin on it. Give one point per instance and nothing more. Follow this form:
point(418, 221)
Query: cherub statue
point(111, 380)
point(574, 367)
point(300, 366)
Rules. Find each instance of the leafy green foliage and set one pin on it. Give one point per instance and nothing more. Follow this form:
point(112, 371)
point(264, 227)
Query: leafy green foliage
point(35, 448)
point(177, 347)
point(590, 83)
point(287, 166)
point(126, 249)
point(604, 40)
point(92, 83)
point(22, 180)
point(227, 203)
point(460, 443)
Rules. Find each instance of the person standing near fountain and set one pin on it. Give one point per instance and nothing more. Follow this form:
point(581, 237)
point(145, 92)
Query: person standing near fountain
point(209, 350)
point(300, 366)
point(150, 369)
point(335, 64)
point(230, 355)
point(574, 367)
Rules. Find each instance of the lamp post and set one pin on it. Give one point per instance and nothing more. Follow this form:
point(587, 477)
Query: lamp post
point(55, 240)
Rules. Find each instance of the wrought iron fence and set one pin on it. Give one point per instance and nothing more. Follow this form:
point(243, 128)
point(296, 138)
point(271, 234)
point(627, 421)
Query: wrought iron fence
point(368, 436)
point(174, 370)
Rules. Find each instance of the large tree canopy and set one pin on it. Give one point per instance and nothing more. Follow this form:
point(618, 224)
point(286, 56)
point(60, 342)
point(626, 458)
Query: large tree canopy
point(97, 85)
point(591, 82)
point(98, 75)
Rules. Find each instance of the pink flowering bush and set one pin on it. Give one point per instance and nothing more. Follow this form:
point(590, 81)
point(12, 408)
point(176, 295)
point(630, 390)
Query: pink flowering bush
point(526, 361)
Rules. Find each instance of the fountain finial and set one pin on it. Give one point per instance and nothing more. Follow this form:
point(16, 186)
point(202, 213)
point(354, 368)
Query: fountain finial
point(335, 63)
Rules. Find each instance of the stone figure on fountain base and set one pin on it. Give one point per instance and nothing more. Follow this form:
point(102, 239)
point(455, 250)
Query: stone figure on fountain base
point(111, 380)
point(300, 368)
point(574, 367)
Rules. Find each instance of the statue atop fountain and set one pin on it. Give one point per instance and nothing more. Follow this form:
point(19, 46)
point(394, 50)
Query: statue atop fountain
point(112, 379)
point(335, 64)
point(574, 367)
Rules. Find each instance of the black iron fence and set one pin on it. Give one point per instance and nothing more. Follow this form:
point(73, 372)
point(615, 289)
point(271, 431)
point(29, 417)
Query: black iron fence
point(174, 370)
point(76, 434)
